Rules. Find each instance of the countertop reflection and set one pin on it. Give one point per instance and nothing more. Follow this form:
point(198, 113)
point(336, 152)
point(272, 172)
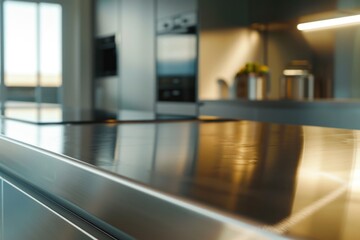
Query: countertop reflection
point(294, 180)
point(48, 113)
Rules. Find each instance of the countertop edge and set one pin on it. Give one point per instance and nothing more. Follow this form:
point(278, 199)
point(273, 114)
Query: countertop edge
point(131, 207)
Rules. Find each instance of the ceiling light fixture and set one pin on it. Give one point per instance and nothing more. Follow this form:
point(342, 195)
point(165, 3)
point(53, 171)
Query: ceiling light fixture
point(329, 23)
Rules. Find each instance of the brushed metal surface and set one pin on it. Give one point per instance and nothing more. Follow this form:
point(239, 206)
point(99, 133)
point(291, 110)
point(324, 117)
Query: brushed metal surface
point(26, 218)
point(139, 211)
point(36, 215)
point(170, 179)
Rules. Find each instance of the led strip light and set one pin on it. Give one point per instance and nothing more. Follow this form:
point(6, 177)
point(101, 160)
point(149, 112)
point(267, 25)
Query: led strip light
point(329, 23)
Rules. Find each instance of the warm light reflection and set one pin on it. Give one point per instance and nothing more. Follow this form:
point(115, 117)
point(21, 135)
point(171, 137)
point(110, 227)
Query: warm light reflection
point(294, 72)
point(245, 158)
point(329, 23)
point(324, 181)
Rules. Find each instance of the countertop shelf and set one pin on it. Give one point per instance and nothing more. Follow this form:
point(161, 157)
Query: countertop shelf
point(329, 113)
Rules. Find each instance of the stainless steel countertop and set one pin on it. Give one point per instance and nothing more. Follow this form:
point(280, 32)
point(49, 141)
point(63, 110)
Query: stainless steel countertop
point(291, 180)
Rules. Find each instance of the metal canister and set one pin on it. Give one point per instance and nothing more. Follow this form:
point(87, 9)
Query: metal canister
point(252, 86)
point(297, 82)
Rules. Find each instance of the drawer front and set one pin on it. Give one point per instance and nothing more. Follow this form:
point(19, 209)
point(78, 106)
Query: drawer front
point(24, 217)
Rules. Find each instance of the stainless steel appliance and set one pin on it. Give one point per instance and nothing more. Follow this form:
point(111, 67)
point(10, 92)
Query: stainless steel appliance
point(177, 58)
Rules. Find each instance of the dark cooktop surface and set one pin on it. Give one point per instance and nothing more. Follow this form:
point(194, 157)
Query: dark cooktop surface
point(56, 114)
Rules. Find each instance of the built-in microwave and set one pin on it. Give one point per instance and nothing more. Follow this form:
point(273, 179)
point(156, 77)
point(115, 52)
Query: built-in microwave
point(106, 56)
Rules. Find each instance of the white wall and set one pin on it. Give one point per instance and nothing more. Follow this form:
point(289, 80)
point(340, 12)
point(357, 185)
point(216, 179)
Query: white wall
point(222, 53)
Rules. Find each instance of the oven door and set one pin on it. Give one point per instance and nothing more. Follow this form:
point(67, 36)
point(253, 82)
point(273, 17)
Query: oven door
point(177, 65)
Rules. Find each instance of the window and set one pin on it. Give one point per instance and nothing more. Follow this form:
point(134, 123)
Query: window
point(32, 44)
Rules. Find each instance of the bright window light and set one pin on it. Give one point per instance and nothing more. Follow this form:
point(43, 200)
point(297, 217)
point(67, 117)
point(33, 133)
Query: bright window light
point(329, 23)
point(50, 34)
point(32, 44)
point(20, 43)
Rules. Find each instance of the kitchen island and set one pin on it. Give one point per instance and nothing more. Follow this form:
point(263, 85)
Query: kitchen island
point(192, 179)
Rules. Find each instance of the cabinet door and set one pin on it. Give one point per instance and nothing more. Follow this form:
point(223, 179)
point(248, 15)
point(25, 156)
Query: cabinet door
point(272, 11)
point(220, 14)
point(26, 218)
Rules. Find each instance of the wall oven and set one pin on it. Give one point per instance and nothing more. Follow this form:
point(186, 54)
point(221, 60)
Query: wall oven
point(177, 57)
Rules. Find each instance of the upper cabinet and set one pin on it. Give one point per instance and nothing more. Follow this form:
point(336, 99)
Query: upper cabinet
point(287, 10)
point(216, 14)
